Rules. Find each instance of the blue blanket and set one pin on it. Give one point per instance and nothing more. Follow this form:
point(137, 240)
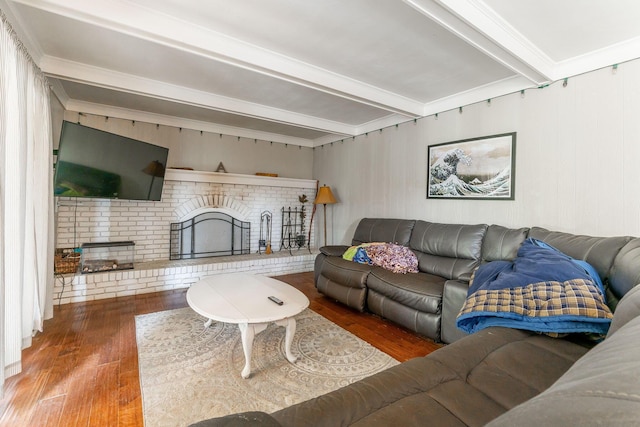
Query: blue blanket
point(542, 290)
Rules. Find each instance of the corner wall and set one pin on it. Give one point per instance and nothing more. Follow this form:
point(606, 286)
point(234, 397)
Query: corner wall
point(577, 155)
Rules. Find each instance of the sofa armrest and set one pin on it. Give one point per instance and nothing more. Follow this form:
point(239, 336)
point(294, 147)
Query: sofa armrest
point(628, 308)
point(465, 277)
point(333, 250)
point(453, 298)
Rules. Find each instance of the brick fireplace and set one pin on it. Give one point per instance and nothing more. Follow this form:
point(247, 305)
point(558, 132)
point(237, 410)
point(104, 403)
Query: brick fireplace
point(185, 193)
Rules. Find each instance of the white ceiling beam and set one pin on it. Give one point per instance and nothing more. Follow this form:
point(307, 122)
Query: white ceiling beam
point(477, 24)
point(180, 122)
point(616, 54)
point(382, 123)
point(147, 24)
point(100, 77)
point(365, 128)
point(478, 94)
point(487, 22)
point(59, 91)
point(463, 99)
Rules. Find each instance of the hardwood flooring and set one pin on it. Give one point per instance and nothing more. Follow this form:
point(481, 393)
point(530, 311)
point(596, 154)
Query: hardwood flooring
point(83, 369)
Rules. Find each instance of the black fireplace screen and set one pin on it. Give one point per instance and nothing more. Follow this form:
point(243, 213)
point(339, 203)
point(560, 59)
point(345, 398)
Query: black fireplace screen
point(208, 235)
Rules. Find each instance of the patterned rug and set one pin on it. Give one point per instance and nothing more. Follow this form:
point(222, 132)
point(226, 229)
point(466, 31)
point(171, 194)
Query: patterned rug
point(188, 373)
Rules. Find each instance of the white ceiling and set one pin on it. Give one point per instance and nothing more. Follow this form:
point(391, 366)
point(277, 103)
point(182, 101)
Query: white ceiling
point(309, 72)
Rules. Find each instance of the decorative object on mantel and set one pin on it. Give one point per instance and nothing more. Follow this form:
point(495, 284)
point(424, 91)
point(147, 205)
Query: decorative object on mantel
point(221, 168)
point(264, 240)
point(181, 168)
point(325, 197)
point(274, 175)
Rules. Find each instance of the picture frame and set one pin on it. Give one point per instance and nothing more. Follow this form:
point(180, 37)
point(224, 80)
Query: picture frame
point(480, 168)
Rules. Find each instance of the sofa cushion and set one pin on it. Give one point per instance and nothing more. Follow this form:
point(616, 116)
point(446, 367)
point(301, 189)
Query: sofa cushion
point(601, 388)
point(600, 252)
point(447, 250)
point(467, 383)
point(420, 291)
point(383, 230)
point(502, 243)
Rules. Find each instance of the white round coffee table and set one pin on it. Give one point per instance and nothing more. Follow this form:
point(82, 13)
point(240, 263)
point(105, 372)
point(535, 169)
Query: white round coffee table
point(244, 299)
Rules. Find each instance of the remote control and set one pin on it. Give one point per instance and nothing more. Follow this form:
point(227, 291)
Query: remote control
point(276, 300)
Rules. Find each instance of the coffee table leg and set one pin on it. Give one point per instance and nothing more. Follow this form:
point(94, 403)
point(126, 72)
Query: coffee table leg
point(247, 332)
point(290, 331)
point(208, 323)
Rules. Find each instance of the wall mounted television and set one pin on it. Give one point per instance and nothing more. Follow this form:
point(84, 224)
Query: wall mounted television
point(98, 164)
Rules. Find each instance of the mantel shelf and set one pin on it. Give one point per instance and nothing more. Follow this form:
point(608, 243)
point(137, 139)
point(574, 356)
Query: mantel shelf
point(235, 178)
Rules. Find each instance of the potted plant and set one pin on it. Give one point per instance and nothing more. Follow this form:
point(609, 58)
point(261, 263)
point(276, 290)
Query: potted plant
point(301, 239)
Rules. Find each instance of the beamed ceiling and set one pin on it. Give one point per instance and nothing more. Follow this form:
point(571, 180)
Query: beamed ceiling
point(310, 72)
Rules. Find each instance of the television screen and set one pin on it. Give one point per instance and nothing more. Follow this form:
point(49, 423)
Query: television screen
point(94, 163)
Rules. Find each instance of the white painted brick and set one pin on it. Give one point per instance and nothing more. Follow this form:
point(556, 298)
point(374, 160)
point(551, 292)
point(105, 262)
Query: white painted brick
point(126, 293)
point(94, 292)
point(148, 225)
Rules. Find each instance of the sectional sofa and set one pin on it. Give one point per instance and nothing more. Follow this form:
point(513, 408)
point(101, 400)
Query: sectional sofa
point(498, 376)
point(429, 302)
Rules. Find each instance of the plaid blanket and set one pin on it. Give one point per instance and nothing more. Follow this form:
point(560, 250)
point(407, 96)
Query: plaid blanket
point(542, 290)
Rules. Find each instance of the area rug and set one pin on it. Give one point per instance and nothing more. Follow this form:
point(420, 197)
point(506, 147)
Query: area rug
point(189, 373)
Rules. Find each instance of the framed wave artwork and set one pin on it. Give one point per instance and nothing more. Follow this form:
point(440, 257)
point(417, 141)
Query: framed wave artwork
point(477, 168)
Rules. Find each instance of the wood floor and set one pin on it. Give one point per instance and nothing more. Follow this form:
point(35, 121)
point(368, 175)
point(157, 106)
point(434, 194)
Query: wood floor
point(83, 369)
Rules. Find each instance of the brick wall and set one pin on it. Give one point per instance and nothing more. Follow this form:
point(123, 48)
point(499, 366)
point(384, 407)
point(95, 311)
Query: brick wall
point(166, 275)
point(147, 224)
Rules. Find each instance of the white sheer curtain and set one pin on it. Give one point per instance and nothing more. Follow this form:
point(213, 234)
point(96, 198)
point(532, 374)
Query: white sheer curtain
point(26, 200)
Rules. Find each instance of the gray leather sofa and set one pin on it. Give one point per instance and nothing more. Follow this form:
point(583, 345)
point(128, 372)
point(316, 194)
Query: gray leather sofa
point(498, 376)
point(428, 302)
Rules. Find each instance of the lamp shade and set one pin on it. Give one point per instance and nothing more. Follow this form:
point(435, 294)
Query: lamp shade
point(325, 196)
point(155, 169)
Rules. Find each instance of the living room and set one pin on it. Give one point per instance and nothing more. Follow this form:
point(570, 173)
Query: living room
point(576, 127)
